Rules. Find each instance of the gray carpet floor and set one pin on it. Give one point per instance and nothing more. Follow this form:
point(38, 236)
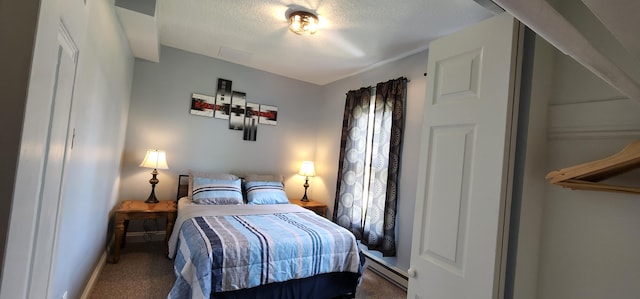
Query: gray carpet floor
point(145, 272)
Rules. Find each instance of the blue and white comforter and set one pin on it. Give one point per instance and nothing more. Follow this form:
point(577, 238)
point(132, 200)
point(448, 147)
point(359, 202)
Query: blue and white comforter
point(226, 248)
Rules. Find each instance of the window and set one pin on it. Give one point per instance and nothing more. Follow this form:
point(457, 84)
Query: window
point(370, 149)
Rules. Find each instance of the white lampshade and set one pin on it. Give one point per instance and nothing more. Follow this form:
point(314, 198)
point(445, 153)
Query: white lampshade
point(307, 169)
point(155, 159)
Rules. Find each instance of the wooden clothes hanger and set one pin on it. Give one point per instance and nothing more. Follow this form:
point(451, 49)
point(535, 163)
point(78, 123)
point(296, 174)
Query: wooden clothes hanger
point(586, 176)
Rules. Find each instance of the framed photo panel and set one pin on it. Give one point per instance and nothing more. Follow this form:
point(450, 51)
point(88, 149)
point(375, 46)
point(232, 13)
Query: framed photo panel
point(236, 115)
point(223, 99)
point(251, 118)
point(233, 107)
point(268, 115)
point(202, 105)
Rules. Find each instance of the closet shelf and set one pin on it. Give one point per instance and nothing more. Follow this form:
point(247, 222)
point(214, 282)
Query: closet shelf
point(587, 176)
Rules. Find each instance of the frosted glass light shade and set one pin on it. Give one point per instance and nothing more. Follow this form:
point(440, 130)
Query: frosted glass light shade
point(155, 159)
point(303, 23)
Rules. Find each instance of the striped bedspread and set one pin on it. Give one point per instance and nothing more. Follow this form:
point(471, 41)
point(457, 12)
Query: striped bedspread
point(242, 249)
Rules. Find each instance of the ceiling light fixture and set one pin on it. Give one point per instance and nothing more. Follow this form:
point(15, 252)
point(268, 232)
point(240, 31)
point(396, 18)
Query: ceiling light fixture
point(303, 23)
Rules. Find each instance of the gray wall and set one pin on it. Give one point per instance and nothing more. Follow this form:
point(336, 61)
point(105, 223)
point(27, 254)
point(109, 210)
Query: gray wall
point(15, 59)
point(527, 204)
point(159, 118)
point(99, 114)
point(589, 244)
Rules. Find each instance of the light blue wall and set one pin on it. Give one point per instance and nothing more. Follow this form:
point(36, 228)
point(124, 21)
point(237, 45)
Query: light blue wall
point(99, 114)
point(308, 128)
point(159, 118)
point(91, 174)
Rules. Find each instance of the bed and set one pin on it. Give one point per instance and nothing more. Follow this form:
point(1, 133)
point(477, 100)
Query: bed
point(245, 241)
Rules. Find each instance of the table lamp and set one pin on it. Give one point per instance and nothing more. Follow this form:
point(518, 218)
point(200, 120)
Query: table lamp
point(155, 159)
point(306, 170)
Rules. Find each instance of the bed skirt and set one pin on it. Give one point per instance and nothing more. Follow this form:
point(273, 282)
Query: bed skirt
point(322, 286)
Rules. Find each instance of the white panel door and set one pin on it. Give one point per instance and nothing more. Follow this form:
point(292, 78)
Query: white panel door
point(464, 185)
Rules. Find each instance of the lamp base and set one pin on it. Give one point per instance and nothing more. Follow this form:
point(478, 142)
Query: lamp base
point(152, 198)
point(306, 185)
point(153, 181)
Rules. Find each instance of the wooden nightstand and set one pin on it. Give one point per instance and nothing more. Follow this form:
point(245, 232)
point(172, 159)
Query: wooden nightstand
point(138, 209)
point(319, 208)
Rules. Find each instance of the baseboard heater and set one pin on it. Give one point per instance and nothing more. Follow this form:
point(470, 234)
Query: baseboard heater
point(387, 271)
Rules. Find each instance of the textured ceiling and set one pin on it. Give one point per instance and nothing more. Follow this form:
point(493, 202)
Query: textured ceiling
point(354, 35)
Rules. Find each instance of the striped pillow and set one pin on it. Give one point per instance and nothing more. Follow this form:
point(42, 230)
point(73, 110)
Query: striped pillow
point(265, 193)
point(217, 192)
point(210, 175)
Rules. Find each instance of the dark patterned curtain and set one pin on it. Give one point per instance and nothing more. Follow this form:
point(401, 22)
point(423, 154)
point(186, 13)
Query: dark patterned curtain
point(351, 166)
point(369, 208)
point(380, 219)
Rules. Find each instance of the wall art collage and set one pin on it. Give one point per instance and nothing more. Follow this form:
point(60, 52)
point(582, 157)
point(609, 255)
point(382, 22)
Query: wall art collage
point(232, 106)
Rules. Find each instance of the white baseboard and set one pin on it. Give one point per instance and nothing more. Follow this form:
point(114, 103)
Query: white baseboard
point(390, 273)
point(94, 276)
